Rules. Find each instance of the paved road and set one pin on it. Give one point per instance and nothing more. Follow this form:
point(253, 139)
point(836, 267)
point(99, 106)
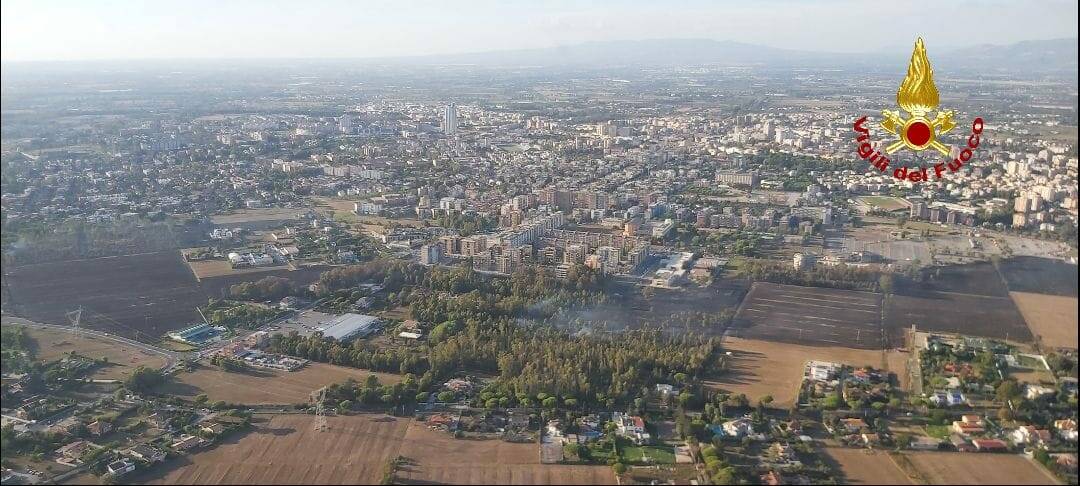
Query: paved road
point(171, 357)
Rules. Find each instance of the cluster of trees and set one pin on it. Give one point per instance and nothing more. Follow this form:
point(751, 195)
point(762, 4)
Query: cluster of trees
point(479, 330)
point(347, 395)
point(266, 288)
point(244, 316)
point(14, 444)
point(144, 379)
point(720, 472)
point(467, 223)
point(17, 350)
point(837, 276)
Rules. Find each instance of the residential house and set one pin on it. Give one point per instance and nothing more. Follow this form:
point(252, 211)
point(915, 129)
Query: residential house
point(851, 425)
point(120, 467)
point(1066, 429)
point(968, 425)
point(631, 426)
point(99, 428)
point(186, 442)
point(1030, 435)
point(737, 428)
point(990, 445)
point(1066, 462)
point(1035, 392)
point(146, 453)
point(75, 450)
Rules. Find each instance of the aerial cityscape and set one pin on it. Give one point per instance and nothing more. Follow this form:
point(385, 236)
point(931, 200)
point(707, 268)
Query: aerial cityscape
point(429, 254)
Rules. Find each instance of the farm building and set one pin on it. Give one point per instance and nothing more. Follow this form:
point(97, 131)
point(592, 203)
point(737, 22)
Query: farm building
point(350, 326)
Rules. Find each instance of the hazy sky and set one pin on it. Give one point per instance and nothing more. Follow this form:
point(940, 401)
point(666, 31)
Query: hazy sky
point(129, 29)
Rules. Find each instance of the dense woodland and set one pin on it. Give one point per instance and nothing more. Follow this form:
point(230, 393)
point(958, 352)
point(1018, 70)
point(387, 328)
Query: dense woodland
point(477, 332)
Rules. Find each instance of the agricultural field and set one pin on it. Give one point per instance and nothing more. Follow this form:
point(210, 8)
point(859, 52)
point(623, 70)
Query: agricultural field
point(757, 368)
point(433, 457)
point(864, 466)
point(286, 449)
point(264, 386)
point(1052, 318)
point(973, 468)
point(961, 299)
point(140, 296)
point(122, 359)
point(809, 315)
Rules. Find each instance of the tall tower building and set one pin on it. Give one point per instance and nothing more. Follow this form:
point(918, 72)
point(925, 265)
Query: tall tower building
point(450, 120)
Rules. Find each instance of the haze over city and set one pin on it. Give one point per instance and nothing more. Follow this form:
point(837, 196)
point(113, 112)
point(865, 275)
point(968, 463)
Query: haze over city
point(203, 29)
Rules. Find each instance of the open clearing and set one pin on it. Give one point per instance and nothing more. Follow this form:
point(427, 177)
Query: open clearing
point(436, 457)
point(263, 386)
point(123, 359)
point(286, 449)
point(887, 203)
point(243, 216)
point(974, 468)
point(864, 466)
point(809, 315)
point(757, 368)
point(1053, 318)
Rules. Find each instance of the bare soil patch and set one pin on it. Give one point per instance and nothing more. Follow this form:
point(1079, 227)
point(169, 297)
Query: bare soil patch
point(263, 386)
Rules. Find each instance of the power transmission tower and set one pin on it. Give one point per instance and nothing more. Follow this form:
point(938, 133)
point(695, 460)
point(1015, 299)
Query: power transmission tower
point(320, 411)
point(75, 317)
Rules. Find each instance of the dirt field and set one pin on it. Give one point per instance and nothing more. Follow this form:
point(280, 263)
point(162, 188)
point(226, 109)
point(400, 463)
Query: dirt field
point(808, 315)
point(759, 368)
point(1053, 318)
point(972, 468)
point(862, 466)
point(221, 268)
point(435, 457)
point(256, 215)
point(287, 450)
point(261, 386)
point(123, 359)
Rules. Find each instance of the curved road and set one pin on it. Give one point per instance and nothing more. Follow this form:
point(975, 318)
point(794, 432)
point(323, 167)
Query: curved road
point(171, 357)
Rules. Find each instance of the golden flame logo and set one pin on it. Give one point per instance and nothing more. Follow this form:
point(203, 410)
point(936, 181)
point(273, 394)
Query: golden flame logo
point(918, 96)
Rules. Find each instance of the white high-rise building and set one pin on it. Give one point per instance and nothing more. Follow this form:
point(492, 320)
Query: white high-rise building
point(345, 124)
point(450, 120)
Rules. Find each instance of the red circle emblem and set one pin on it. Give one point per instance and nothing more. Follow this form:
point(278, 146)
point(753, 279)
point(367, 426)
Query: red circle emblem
point(918, 134)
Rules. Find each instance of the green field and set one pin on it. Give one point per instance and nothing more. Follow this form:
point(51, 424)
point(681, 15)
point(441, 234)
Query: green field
point(648, 455)
point(938, 431)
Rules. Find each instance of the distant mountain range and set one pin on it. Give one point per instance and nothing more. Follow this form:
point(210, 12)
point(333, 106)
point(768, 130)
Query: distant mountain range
point(1056, 55)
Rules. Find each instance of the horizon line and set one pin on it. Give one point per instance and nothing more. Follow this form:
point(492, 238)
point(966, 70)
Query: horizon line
point(489, 51)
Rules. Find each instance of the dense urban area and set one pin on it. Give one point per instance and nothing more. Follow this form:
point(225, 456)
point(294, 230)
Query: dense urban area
point(344, 272)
